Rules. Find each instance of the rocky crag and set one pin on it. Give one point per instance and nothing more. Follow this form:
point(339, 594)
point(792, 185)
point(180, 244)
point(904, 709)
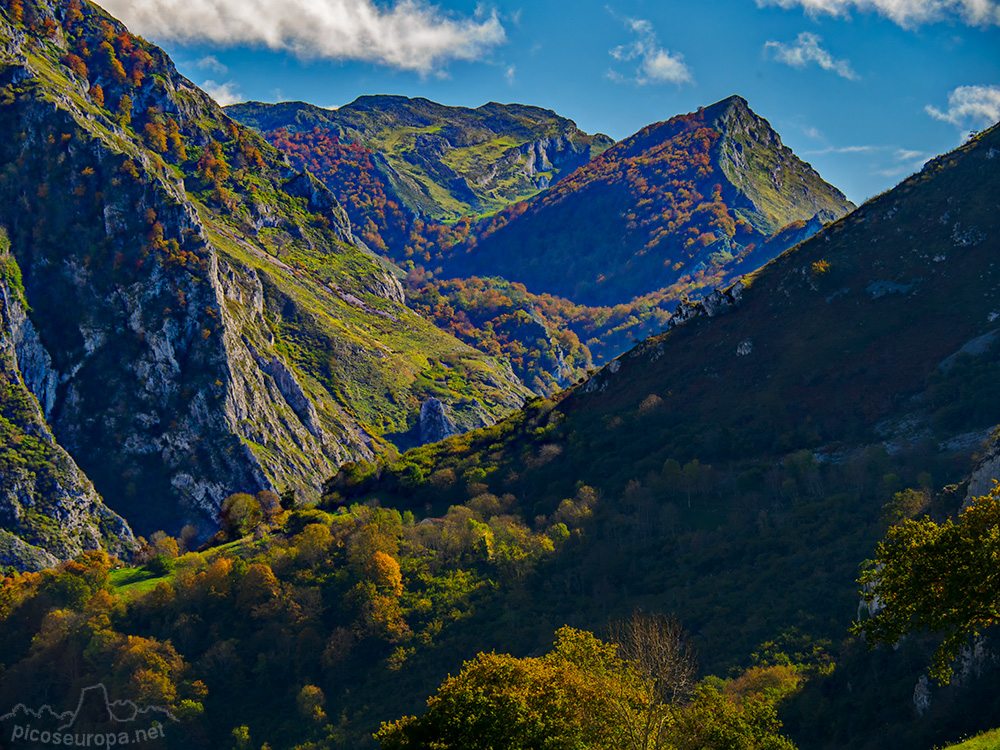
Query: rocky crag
point(48, 507)
point(206, 320)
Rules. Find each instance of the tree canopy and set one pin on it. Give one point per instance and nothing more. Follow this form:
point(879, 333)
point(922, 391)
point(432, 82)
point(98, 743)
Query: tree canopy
point(586, 694)
point(943, 578)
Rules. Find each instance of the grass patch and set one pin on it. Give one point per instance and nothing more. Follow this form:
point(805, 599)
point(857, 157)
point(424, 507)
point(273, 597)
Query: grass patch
point(136, 580)
point(986, 741)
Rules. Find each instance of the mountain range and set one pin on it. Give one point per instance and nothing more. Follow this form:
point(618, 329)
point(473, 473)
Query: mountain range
point(440, 162)
point(423, 382)
point(600, 258)
point(678, 204)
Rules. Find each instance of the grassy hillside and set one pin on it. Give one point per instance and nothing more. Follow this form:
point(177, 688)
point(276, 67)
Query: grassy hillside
point(984, 741)
point(439, 161)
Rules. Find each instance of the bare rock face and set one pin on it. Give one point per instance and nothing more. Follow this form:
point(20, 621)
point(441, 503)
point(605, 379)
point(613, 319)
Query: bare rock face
point(987, 472)
point(547, 154)
point(435, 424)
point(921, 696)
point(141, 368)
point(49, 509)
point(18, 553)
point(33, 361)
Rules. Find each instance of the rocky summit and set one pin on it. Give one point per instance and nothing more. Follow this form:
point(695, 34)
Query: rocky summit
point(680, 206)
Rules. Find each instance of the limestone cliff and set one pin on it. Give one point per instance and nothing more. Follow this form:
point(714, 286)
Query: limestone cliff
point(48, 507)
point(202, 318)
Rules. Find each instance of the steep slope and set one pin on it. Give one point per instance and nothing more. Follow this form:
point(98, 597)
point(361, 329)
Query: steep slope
point(48, 508)
point(858, 331)
point(676, 207)
point(734, 469)
point(211, 323)
point(440, 161)
point(880, 301)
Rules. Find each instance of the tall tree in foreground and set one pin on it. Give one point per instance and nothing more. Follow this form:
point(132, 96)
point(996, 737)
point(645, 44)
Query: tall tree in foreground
point(942, 578)
point(661, 670)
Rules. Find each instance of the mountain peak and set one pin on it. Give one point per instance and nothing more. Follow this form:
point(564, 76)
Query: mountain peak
point(643, 200)
point(734, 114)
point(729, 104)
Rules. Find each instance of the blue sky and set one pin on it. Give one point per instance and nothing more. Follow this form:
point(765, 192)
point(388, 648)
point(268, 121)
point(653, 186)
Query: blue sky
point(865, 90)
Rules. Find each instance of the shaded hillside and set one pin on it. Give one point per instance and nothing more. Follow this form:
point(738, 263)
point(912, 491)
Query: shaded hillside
point(675, 206)
point(830, 344)
point(736, 467)
point(444, 162)
point(48, 508)
point(208, 319)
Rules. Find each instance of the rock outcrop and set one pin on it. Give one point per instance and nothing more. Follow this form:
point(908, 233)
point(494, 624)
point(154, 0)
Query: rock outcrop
point(435, 424)
point(714, 303)
point(987, 472)
point(49, 509)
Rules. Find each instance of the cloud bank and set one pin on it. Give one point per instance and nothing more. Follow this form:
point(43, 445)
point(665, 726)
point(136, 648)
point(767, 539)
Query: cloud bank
point(805, 50)
point(409, 35)
point(656, 65)
point(970, 106)
point(906, 13)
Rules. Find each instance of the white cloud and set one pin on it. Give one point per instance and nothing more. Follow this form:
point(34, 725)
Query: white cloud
point(813, 132)
point(655, 64)
point(844, 150)
point(662, 65)
point(409, 35)
point(213, 64)
point(509, 74)
point(903, 154)
point(223, 93)
point(906, 13)
point(907, 161)
point(805, 50)
point(970, 106)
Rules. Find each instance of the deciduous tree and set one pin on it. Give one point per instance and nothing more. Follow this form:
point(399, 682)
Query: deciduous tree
point(938, 577)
